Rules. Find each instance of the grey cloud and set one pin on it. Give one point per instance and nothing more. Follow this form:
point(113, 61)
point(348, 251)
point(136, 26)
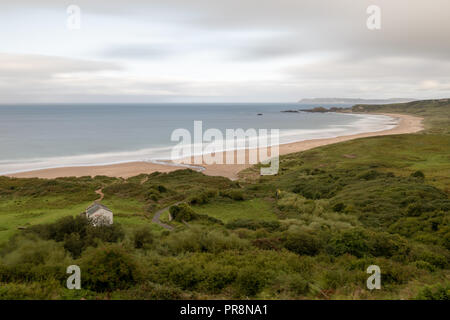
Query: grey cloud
point(377, 69)
point(411, 47)
point(139, 51)
point(27, 65)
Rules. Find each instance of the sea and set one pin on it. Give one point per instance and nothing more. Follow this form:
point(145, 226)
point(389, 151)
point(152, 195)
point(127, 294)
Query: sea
point(45, 136)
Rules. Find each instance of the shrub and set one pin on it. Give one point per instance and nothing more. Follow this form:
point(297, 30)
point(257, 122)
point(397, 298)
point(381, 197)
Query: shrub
point(108, 268)
point(73, 244)
point(142, 238)
point(349, 241)
point(267, 244)
point(58, 230)
point(438, 260)
point(20, 291)
point(303, 243)
point(334, 279)
point(386, 245)
point(418, 174)
point(424, 265)
point(217, 277)
point(395, 273)
point(33, 251)
point(196, 239)
point(184, 275)
point(369, 175)
point(291, 285)
point(203, 197)
point(253, 224)
point(299, 286)
point(250, 281)
point(234, 194)
point(78, 233)
point(105, 233)
point(151, 291)
point(339, 207)
point(161, 188)
point(436, 292)
point(182, 212)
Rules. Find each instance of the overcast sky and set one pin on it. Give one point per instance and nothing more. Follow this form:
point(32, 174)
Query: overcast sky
point(222, 51)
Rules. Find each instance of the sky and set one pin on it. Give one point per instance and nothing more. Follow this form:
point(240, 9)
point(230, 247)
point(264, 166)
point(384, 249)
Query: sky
point(222, 51)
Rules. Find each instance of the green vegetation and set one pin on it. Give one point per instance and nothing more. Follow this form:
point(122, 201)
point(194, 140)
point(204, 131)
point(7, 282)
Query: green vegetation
point(228, 210)
point(435, 112)
point(308, 233)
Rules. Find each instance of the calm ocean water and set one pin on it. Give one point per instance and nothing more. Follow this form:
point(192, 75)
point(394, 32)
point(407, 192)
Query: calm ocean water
point(47, 136)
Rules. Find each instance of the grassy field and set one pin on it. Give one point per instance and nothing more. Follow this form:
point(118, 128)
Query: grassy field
point(309, 232)
point(13, 214)
point(253, 209)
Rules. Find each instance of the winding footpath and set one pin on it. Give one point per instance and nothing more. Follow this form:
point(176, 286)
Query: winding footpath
point(101, 194)
point(158, 215)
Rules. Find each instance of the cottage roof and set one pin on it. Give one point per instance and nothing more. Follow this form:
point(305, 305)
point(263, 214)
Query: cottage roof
point(95, 207)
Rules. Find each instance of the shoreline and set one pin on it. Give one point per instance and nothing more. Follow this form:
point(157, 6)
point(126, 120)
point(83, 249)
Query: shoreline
point(406, 124)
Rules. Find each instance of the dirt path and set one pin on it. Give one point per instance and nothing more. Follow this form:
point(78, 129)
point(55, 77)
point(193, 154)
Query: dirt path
point(144, 180)
point(159, 213)
point(100, 193)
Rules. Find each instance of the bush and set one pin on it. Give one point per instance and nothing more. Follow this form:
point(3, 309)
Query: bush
point(253, 224)
point(108, 268)
point(297, 284)
point(33, 251)
point(436, 292)
point(142, 238)
point(183, 275)
point(250, 281)
point(334, 279)
point(182, 212)
point(234, 194)
point(73, 244)
point(78, 233)
point(203, 197)
point(424, 265)
point(386, 245)
point(395, 273)
point(350, 241)
point(418, 174)
point(369, 175)
point(106, 233)
point(339, 207)
point(58, 230)
point(217, 277)
point(196, 239)
point(303, 243)
point(267, 244)
point(150, 291)
point(18, 291)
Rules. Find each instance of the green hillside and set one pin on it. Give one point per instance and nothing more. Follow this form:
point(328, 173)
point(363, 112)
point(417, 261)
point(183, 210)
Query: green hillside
point(308, 233)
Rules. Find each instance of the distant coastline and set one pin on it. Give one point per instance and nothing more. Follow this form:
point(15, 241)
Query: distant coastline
point(340, 101)
point(98, 135)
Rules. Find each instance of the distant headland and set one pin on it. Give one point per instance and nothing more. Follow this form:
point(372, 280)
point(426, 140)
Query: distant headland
point(353, 101)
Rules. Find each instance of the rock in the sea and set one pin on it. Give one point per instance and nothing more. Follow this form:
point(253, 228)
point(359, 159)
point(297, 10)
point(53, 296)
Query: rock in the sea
point(293, 111)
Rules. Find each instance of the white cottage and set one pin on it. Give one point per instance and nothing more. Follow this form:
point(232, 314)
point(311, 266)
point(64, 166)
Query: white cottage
point(99, 214)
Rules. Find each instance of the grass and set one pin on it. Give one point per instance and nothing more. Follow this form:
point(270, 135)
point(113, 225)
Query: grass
point(14, 215)
point(124, 206)
point(435, 112)
point(226, 211)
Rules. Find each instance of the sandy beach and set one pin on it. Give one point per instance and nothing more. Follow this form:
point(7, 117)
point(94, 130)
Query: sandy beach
point(406, 124)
